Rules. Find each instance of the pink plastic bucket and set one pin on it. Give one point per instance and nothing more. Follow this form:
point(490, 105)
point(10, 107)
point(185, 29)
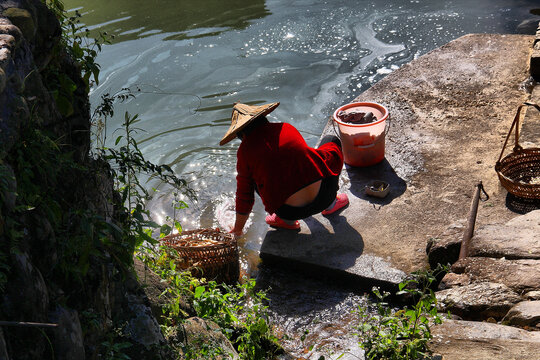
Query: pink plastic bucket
point(363, 144)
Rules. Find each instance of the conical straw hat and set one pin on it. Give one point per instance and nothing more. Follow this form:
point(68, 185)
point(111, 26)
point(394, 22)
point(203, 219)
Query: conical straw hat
point(242, 115)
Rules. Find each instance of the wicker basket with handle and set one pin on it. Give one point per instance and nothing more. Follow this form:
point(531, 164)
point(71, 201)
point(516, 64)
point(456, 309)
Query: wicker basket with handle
point(519, 171)
point(208, 253)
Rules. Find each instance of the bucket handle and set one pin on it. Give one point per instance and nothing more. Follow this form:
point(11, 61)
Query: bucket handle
point(515, 124)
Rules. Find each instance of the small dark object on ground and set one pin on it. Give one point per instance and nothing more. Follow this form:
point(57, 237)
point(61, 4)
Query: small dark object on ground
point(378, 188)
point(357, 117)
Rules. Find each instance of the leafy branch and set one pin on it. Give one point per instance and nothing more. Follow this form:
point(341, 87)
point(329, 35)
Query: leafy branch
point(403, 334)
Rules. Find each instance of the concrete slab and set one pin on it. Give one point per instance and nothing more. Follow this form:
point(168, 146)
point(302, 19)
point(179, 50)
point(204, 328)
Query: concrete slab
point(450, 111)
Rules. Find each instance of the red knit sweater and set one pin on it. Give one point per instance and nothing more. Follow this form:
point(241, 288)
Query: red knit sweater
point(275, 158)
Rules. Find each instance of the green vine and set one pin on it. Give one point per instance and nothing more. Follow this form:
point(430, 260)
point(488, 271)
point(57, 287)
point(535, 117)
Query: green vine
point(128, 165)
point(82, 49)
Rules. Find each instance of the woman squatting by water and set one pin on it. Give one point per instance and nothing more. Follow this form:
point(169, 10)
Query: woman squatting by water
point(293, 180)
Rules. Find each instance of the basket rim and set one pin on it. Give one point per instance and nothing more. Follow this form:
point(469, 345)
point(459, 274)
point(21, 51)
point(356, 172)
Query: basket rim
point(504, 165)
point(227, 241)
point(515, 187)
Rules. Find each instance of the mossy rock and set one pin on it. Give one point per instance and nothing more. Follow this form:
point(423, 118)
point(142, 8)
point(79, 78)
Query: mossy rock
point(22, 19)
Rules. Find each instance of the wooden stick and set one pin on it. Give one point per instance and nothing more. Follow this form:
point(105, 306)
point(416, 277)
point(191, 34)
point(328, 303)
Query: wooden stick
point(27, 324)
point(469, 230)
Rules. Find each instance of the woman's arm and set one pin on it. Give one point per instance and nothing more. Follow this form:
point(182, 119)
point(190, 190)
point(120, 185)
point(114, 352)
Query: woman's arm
point(245, 193)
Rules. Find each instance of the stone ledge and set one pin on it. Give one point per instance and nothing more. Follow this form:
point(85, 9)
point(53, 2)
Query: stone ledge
point(517, 239)
point(525, 314)
point(483, 341)
point(478, 301)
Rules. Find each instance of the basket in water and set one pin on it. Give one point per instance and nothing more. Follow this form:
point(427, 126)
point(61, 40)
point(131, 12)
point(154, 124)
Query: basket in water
point(208, 253)
point(519, 171)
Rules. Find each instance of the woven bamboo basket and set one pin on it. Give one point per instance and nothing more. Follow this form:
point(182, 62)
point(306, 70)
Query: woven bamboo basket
point(208, 253)
point(519, 171)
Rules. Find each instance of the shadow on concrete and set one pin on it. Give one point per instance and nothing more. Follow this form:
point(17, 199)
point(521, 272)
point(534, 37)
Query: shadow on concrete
point(295, 264)
point(330, 242)
point(329, 248)
point(521, 205)
point(360, 177)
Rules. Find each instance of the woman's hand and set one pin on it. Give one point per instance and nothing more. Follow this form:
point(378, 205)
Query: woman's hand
point(235, 232)
point(239, 224)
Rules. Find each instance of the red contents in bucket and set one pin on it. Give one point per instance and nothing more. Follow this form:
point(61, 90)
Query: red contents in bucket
point(356, 117)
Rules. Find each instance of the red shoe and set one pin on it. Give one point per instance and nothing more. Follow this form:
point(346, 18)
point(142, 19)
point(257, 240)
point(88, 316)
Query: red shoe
point(342, 200)
point(276, 222)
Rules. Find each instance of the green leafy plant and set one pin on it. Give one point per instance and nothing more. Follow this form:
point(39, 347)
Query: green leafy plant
point(128, 166)
point(177, 205)
point(115, 345)
point(180, 282)
point(83, 234)
point(241, 314)
point(405, 333)
point(115, 350)
point(202, 350)
point(77, 40)
point(102, 112)
point(39, 166)
point(239, 310)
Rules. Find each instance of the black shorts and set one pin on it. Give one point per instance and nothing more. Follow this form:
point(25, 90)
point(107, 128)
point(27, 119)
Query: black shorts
point(327, 194)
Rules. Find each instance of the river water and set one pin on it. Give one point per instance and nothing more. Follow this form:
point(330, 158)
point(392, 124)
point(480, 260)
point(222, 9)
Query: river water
point(188, 61)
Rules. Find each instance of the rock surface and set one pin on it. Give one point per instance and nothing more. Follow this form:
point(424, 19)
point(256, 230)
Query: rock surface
point(54, 272)
point(517, 239)
point(457, 340)
point(478, 301)
point(155, 290)
point(519, 275)
point(495, 288)
point(3, 347)
point(450, 112)
point(524, 314)
point(202, 334)
point(444, 249)
point(68, 336)
point(436, 150)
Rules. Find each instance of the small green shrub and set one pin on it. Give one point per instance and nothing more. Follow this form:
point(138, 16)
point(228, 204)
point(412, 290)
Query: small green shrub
point(239, 310)
point(401, 334)
point(241, 314)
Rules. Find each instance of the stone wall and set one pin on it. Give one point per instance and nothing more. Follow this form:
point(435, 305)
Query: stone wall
point(35, 291)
